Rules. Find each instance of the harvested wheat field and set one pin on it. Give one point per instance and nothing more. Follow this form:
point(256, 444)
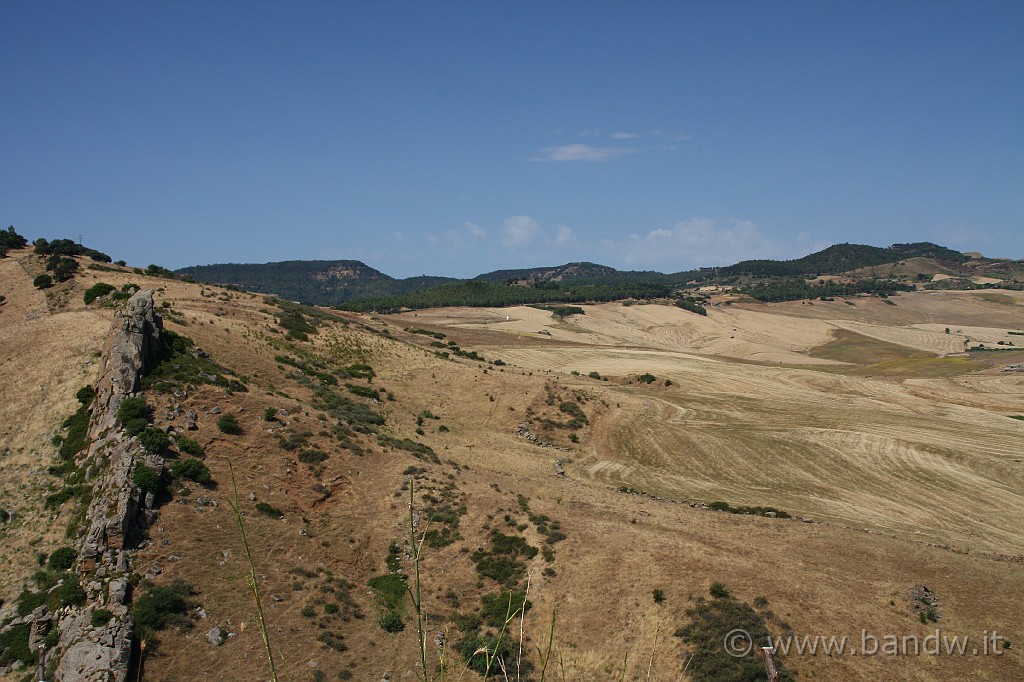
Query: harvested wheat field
point(574, 460)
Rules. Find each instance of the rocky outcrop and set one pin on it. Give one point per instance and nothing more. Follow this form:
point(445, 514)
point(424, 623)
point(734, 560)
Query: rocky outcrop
point(117, 513)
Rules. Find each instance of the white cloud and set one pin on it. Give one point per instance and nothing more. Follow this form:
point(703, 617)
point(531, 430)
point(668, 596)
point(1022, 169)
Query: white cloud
point(581, 152)
point(625, 136)
point(694, 242)
point(564, 237)
point(519, 230)
point(474, 230)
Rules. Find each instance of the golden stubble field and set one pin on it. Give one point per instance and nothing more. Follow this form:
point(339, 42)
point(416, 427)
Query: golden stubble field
point(762, 410)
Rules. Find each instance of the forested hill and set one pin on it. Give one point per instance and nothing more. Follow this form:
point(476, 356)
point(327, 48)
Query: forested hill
point(319, 282)
point(354, 283)
point(841, 258)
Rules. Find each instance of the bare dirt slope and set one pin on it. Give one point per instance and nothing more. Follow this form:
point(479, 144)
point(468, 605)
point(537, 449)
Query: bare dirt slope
point(927, 461)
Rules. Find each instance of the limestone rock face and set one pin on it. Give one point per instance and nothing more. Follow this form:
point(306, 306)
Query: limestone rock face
point(116, 514)
point(137, 344)
point(97, 655)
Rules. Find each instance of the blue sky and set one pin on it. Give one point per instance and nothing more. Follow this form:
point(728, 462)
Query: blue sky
point(457, 138)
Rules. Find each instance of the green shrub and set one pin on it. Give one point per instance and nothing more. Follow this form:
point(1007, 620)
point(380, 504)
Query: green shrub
point(63, 268)
point(268, 510)
point(472, 650)
point(62, 559)
point(14, 646)
point(659, 596)
point(496, 608)
point(294, 441)
point(100, 617)
point(391, 622)
point(360, 372)
point(710, 623)
point(228, 423)
point(192, 469)
point(134, 415)
point(334, 641)
point(42, 282)
point(312, 456)
point(163, 606)
point(190, 446)
point(270, 414)
point(86, 395)
point(148, 480)
point(77, 438)
point(362, 391)
point(647, 378)
point(68, 593)
point(390, 590)
point(298, 326)
point(719, 591)
point(27, 602)
point(96, 291)
point(574, 411)
point(66, 493)
point(154, 440)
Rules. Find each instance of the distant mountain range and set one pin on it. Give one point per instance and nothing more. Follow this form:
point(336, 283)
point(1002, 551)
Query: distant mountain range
point(335, 282)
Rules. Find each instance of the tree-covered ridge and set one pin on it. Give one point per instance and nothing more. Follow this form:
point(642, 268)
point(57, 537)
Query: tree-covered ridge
point(841, 258)
point(487, 294)
point(319, 282)
point(356, 286)
point(795, 289)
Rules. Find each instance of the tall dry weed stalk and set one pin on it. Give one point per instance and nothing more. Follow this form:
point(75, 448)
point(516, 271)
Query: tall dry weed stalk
point(251, 578)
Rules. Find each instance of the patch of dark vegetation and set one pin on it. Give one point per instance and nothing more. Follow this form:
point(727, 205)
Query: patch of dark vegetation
point(363, 391)
point(312, 456)
point(134, 414)
point(693, 304)
point(181, 364)
point(347, 410)
point(750, 511)
point(390, 591)
point(576, 412)
point(296, 324)
point(798, 289)
point(154, 440)
point(62, 559)
point(67, 247)
point(10, 240)
point(294, 441)
point(479, 293)
point(711, 621)
point(193, 470)
point(190, 446)
point(78, 491)
point(561, 311)
point(502, 562)
point(147, 479)
point(418, 450)
point(425, 332)
point(269, 510)
point(97, 290)
point(228, 424)
point(313, 369)
point(14, 646)
point(164, 606)
point(359, 371)
point(77, 437)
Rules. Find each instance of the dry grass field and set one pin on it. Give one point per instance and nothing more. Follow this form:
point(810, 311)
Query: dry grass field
point(867, 419)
